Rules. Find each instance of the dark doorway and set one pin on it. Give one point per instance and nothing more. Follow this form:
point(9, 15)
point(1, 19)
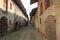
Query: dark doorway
point(3, 26)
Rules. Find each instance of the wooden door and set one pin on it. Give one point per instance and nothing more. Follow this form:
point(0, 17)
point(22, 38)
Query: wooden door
point(50, 25)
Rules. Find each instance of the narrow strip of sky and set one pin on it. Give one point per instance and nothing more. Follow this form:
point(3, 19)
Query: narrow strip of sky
point(28, 7)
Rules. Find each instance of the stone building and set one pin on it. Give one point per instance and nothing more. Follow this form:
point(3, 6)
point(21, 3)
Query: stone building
point(13, 12)
point(47, 19)
point(33, 16)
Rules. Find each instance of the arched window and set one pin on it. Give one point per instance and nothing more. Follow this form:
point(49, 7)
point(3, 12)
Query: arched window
point(41, 9)
point(11, 6)
point(40, 21)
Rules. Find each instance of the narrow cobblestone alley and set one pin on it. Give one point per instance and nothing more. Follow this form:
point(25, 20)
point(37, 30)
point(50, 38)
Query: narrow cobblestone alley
point(27, 33)
point(29, 19)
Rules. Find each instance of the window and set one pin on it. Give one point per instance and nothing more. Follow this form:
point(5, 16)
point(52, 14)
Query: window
point(47, 3)
point(41, 9)
point(10, 5)
point(5, 5)
point(5, 1)
point(9, 21)
point(40, 20)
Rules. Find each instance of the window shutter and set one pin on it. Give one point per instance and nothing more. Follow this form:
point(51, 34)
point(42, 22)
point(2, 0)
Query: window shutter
point(11, 6)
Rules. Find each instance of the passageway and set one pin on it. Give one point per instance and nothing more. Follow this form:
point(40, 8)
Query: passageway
point(26, 33)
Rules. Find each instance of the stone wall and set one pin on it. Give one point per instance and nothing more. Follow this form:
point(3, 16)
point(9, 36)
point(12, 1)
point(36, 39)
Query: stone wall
point(13, 15)
point(57, 7)
point(54, 10)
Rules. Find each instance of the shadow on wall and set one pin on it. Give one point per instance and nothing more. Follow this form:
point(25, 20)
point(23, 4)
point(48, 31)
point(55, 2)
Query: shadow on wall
point(10, 22)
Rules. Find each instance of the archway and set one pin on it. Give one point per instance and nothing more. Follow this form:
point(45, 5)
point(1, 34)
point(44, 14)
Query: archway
point(3, 25)
point(50, 25)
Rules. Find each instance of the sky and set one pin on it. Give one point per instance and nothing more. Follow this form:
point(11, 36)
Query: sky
point(28, 7)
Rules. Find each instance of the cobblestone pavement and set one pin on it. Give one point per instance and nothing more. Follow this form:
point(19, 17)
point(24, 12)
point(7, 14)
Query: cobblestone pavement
point(27, 33)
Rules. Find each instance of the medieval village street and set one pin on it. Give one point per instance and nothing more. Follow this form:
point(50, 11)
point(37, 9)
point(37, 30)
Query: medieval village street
point(29, 19)
point(27, 33)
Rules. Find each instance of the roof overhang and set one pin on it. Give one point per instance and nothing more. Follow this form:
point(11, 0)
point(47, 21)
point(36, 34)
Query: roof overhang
point(20, 5)
point(33, 1)
point(33, 12)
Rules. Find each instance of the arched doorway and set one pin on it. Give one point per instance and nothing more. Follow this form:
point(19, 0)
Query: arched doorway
point(50, 25)
point(3, 25)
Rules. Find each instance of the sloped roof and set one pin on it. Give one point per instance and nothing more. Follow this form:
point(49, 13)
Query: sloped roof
point(33, 1)
point(20, 5)
point(33, 12)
